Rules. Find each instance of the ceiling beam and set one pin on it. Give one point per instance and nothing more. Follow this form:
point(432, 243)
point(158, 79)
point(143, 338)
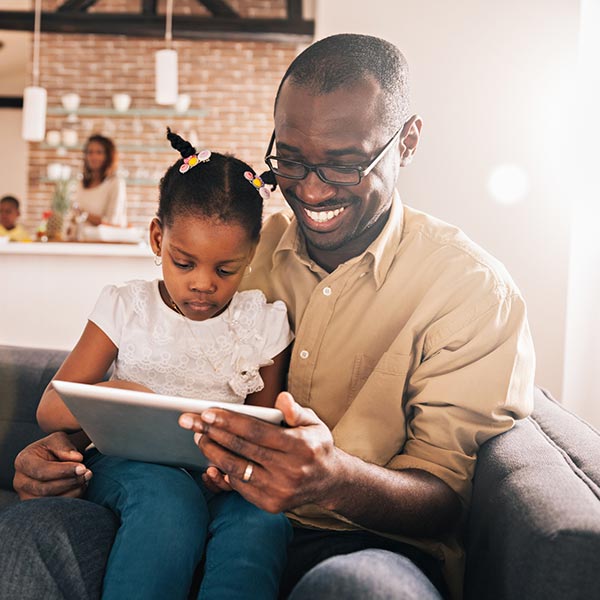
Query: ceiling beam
point(218, 8)
point(75, 5)
point(294, 10)
point(153, 26)
point(149, 7)
point(11, 101)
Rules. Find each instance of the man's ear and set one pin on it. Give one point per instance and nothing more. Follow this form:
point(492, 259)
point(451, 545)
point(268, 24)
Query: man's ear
point(409, 139)
point(156, 235)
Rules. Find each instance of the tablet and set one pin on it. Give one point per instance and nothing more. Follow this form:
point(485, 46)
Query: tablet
point(143, 426)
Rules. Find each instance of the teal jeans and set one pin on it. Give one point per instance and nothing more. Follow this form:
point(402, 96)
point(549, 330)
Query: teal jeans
point(169, 522)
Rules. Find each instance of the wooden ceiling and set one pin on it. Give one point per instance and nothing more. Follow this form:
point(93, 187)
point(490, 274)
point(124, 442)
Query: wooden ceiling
point(223, 23)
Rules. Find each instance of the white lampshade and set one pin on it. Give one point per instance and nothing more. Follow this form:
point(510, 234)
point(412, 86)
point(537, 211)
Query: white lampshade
point(34, 114)
point(166, 77)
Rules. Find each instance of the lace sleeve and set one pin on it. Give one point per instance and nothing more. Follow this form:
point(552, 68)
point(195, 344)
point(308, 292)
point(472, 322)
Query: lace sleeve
point(262, 332)
point(275, 329)
point(109, 313)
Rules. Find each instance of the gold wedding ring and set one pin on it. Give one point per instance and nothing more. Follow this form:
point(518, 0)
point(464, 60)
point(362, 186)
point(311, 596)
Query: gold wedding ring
point(248, 472)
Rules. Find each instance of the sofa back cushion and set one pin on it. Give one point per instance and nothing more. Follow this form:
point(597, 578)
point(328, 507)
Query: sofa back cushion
point(24, 374)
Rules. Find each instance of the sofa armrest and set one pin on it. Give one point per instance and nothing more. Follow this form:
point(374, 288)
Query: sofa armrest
point(24, 375)
point(534, 526)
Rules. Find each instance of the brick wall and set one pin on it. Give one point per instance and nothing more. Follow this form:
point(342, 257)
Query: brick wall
point(232, 82)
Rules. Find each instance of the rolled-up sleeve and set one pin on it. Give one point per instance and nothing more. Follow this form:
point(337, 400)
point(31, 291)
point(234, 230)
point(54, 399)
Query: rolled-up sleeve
point(476, 378)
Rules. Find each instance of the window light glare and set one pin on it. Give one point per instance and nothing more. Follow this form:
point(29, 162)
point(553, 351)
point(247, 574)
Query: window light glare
point(508, 184)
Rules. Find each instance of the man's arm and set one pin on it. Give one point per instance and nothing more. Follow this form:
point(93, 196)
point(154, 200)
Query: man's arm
point(300, 465)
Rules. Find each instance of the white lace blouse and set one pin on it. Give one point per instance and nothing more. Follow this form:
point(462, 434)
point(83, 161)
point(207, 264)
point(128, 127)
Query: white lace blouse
point(216, 359)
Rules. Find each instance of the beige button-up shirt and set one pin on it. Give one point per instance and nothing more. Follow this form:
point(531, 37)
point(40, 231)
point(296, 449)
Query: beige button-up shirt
point(413, 353)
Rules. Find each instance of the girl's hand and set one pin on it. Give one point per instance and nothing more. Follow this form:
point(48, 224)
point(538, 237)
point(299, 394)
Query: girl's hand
point(215, 481)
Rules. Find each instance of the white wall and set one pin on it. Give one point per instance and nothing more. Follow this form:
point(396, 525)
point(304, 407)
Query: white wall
point(13, 156)
point(582, 356)
point(14, 76)
point(15, 55)
point(490, 80)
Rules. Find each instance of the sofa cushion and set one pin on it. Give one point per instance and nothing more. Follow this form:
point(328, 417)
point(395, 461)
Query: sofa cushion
point(24, 374)
point(534, 524)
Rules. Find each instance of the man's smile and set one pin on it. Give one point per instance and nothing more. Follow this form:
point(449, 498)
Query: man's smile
point(323, 216)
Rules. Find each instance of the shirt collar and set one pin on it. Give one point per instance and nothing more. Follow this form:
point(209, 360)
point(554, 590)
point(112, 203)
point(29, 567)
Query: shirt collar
point(382, 250)
point(384, 247)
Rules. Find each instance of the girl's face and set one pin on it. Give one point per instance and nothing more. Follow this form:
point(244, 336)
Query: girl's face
point(203, 262)
point(95, 156)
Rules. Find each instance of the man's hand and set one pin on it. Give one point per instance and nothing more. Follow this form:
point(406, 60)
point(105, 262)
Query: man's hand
point(290, 465)
point(50, 467)
point(281, 468)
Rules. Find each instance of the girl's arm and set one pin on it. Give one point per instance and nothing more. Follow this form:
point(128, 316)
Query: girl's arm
point(274, 377)
point(87, 363)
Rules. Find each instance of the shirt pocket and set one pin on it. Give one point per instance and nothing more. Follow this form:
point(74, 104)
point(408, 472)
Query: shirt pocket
point(390, 364)
point(377, 408)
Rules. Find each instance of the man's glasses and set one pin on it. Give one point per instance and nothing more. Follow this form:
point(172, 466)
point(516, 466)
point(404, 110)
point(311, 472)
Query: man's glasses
point(332, 174)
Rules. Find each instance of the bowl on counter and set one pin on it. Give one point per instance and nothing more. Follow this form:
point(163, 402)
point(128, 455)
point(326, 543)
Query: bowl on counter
point(116, 235)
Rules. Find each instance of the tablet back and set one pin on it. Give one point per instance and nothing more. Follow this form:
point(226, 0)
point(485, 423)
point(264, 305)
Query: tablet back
point(143, 426)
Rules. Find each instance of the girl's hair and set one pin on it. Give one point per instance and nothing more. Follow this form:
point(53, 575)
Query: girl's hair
point(110, 161)
point(216, 188)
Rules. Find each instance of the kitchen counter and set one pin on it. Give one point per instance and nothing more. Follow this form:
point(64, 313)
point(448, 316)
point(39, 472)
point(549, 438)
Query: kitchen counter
point(47, 290)
point(74, 248)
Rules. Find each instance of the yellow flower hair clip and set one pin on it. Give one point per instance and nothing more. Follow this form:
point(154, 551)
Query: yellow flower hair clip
point(193, 160)
point(259, 184)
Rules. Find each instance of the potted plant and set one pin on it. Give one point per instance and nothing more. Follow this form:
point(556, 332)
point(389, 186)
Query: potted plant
point(61, 200)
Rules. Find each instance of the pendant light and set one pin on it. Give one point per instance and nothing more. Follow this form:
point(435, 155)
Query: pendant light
point(34, 97)
point(166, 90)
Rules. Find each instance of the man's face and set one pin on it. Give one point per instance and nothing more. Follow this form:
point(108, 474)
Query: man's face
point(344, 128)
point(9, 214)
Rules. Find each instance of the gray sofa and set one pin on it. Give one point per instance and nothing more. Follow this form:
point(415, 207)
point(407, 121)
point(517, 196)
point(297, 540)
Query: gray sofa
point(533, 531)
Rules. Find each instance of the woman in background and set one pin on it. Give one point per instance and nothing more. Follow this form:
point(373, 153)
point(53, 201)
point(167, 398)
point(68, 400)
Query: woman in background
point(100, 196)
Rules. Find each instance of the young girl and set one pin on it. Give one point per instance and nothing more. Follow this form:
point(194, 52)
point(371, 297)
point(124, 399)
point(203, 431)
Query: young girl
point(189, 334)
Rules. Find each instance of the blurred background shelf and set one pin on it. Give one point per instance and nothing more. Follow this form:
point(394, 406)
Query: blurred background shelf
point(61, 148)
point(132, 112)
point(141, 181)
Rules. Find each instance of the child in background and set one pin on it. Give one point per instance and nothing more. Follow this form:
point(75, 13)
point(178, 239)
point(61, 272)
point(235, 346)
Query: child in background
point(190, 334)
point(9, 215)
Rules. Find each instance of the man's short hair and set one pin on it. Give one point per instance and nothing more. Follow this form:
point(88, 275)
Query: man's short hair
point(344, 59)
point(10, 199)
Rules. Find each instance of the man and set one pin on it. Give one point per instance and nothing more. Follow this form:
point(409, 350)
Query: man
point(9, 216)
point(412, 347)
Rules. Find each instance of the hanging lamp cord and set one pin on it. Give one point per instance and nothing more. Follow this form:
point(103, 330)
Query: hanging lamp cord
point(36, 41)
point(169, 24)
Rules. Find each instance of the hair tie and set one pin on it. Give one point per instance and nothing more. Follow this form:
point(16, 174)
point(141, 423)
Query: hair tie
point(193, 160)
point(269, 179)
point(259, 184)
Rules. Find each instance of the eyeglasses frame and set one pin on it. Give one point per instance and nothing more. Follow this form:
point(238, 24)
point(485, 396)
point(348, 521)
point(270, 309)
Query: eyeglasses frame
point(362, 171)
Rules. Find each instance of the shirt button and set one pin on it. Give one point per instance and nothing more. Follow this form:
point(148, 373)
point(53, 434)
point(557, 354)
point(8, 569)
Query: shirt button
point(304, 354)
point(327, 291)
